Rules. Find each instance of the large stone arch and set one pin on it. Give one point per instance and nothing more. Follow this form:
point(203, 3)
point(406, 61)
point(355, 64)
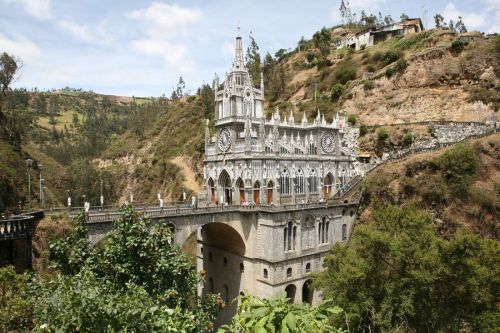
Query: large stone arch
point(307, 292)
point(222, 252)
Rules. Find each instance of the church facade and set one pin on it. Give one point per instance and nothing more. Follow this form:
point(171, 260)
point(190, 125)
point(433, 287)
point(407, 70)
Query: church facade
point(283, 174)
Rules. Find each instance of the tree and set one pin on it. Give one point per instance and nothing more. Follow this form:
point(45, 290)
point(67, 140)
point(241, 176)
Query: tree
point(16, 305)
point(397, 273)
point(278, 315)
point(181, 86)
point(439, 19)
point(253, 61)
point(136, 280)
point(460, 25)
point(8, 69)
point(404, 17)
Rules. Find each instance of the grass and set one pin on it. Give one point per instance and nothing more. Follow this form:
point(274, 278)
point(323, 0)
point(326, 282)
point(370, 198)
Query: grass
point(64, 118)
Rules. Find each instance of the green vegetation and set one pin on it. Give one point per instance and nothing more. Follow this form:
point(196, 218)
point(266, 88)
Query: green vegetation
point(398, 273)
point(345, 73)
point(363, 129)
point(368, 85)
point(382, 134)
point(278, 315)
point(485, 95)
point(351, 119)
point(408, 138)
point(16, 309)
point(337, 91)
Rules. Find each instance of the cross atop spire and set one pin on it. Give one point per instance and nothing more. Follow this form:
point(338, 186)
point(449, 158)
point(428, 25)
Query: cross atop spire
point(238, 53)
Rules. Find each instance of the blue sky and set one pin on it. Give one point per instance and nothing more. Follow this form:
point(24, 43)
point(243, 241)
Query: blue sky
point(142, 47)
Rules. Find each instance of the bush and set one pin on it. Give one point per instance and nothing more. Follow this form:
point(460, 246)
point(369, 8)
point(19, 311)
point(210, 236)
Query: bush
point(376, 56)
point(363, 129)
point(486, 96)
point(391, 56)
point(351, 119)
point(310, 56)
point(408, 138)
point(368, 85)
point(400, 65)
point(337, 90)
point(16, 306)
point(345, 73)
point(382, 134)
point(389, 72)
point(371, 68)
point(457, 46)
point(430, 130)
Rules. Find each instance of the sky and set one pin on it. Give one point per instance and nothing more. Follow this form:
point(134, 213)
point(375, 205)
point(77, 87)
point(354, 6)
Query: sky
point(141, 48)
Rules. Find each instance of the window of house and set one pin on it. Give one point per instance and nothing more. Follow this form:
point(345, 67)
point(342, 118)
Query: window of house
point(285, 182)
point(313, 182)
point(289, 272)
point(308, 267)
point(265, 273)
point(299, 182)
point(344, 231)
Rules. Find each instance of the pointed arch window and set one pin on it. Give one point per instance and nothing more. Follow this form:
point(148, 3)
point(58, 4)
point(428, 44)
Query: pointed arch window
point(344, 232)
point(313, 181)
point(289, 237)
point(299, 182)
point(285, 182)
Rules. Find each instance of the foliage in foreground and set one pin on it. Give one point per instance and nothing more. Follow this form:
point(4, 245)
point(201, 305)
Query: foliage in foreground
point(397, 274)
point(16, 308)
point(278, 315)
point(136, 280)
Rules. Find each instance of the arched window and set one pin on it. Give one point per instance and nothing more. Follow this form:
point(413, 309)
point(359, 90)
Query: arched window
point(289, 237)
point(327, 187)
point(313, 182)
point(289, 272)
point(308, 267)
point(299, 182)
point(211, 187)
point(265, 273)
point(284, 182)
point(344, 231)
point(312, 149)
point(225, 293)
point(324, 226)
point(351, 213)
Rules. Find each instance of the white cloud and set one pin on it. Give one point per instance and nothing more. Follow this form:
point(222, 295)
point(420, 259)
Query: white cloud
point(20, 47)
point(487, 20)
point(166, 32)
point(95, 35)
point(39, 9)
point(166, 15)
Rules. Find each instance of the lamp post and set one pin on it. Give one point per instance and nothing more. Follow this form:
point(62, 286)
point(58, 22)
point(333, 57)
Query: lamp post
point(29, 162)
point(43, 197)
point(40, 187)
point(69, 199)
point(102, 198)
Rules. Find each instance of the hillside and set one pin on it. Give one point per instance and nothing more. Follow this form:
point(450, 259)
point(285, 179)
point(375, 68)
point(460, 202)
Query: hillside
point(459, 184)
point(416, 77)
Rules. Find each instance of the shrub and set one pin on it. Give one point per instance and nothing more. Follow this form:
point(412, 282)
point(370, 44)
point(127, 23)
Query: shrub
point(457, 46)
point(389, 72)
point(430, 130)
point(345, 73)
point(382, 134)
point(310, 56)
point(351, 119)
point(337, 90)
point(408, 138)
point(391, 56)
point(400, 65)
point(486, 96)
point(368, 85)
point(371, 68)
point(376, 56)
point(363, 129)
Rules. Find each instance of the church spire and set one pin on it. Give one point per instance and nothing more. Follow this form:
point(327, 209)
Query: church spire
point(238, 53)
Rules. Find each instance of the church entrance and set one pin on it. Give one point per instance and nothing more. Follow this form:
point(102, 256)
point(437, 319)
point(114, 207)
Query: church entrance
point(327, 187)
point(225, 185)
point(241, 186)
point(256, 193)
point(270, 187)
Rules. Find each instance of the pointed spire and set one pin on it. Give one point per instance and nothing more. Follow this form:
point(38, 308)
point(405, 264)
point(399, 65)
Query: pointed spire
point(304, 118)
point(292, 118)
point(238, 53)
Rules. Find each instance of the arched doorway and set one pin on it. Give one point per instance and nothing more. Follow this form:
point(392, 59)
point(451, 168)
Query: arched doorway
point(241, 190)
point(290, 292)
point(226, 189)
point(211, 188)
point(270, 189)
point(307, 292)
point(256, 193)
point(327, 186)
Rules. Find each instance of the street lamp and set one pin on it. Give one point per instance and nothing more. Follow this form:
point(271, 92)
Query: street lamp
point(102, 198)
point(40, 187)
point(69, 199)
point(29, 162)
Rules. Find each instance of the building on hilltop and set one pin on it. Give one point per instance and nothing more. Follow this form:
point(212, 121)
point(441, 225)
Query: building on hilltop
point(275, 161)
point(372, 36)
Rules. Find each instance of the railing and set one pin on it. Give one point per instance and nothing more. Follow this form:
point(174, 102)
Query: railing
point(17, 227)
point(158, 212)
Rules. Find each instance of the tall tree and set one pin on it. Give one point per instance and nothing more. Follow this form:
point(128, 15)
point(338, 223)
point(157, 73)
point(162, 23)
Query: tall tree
point(8, 69)
point(460, 25)
point(253, 61)
point(439, 20)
